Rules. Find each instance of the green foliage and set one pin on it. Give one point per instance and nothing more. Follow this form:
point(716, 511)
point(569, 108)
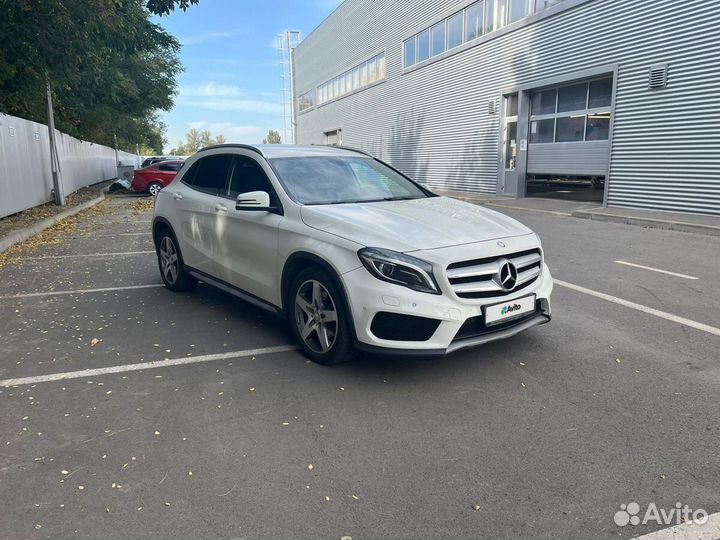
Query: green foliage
point(165, 7)
point(273, 137)
point(110, 67)
point(196, 140)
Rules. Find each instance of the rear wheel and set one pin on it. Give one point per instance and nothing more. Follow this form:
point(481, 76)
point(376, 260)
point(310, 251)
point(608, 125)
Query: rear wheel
point(154, 188)
point(171, 266)
point(318, 318)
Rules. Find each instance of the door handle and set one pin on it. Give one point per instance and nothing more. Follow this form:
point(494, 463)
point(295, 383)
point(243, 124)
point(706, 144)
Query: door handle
point(177, 196)
point(219, 207)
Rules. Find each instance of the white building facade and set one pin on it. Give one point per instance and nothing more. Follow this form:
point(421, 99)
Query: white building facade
point(486, 96)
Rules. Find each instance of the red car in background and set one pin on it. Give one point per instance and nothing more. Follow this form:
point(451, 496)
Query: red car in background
point(155, 177)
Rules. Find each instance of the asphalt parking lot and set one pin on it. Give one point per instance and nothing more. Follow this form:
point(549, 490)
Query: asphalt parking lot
point(193, 424)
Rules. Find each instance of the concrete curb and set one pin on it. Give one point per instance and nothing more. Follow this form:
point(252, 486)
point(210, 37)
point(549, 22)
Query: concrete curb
point(650, 223)
point(20, 236)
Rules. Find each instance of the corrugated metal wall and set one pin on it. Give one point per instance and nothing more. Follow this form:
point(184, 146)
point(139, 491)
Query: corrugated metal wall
point(433, 122)
point(25, 173)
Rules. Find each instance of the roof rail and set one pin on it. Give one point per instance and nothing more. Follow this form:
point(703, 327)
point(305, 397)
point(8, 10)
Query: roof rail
point(244, 146)
point(347, 148)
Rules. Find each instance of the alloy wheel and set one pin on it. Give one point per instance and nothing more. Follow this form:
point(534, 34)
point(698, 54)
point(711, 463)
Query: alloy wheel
point(169, 260)
point(154, 189)
point(316, 316)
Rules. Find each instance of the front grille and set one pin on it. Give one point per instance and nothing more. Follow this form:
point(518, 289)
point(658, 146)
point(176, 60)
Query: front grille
point(476, 326)
point(480, 278)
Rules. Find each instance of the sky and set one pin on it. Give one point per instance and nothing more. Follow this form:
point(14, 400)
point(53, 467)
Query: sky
point(231, 83)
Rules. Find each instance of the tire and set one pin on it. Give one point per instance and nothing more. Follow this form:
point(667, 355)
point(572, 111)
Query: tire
point(154, 188)
point(171, 265)
point(319, 318)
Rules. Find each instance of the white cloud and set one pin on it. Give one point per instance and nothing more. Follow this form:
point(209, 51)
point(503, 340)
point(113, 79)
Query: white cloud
point(232, 132)
point(211, 89)
point(229, 104)
point(206, 37)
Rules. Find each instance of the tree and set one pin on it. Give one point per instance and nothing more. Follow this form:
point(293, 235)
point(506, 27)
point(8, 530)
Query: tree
point(110, 67)
point(273, 137)
point(165, 7)
point(196, 140)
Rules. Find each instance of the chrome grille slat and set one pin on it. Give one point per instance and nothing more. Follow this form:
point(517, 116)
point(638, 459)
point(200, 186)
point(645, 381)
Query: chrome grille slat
point(471, 288)
point(526, 260)
point(527, 275)
point(472, 271)
point(479, 278)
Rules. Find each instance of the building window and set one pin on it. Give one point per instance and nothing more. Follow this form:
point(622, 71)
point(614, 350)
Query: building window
point(353, 79)
point(542, 131)
point(511, 131)
point(438, 38)
point(598, 127)
point(455, 30)
point(544, 102)
point(410, 57)
point(572, 113)
point(474, 21)
point(570, 129)
point(519, 9)
point(423, 46)
point(572, 98)
point(600, 93)
point(481, 17)
point(306, 101)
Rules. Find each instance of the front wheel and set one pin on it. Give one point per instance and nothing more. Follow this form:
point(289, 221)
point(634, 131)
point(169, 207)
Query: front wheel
point(171, 267)
point(318, 318)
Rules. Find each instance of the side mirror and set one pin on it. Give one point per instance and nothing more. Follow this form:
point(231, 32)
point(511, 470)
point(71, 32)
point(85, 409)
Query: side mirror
point(258, 201)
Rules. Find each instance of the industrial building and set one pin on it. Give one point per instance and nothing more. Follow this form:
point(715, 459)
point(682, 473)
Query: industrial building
point(611, 100)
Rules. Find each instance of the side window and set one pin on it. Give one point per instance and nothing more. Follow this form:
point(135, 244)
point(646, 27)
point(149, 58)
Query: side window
point(169, 166)
point(248, 176)
point(210, 174)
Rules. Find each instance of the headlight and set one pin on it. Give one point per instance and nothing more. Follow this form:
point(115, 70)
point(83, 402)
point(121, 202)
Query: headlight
point(400, 269)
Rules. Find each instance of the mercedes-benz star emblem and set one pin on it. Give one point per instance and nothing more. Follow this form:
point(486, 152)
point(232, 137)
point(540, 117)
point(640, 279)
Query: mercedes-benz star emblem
point(508, 276)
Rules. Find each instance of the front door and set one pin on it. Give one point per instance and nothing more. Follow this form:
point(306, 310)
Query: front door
point(248, 239)
point(510, 146)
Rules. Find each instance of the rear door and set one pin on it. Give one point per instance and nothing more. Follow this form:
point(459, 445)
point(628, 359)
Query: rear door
point(248, 240)
point(200, 199)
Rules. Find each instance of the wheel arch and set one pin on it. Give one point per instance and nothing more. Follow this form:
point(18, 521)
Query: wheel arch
point(299, 261)
point(160, 223)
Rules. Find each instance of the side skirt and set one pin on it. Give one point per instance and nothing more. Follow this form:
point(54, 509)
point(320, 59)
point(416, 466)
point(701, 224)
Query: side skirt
point(238, 293)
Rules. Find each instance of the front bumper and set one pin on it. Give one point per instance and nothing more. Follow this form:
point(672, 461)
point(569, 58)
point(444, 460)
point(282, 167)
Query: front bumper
point(460, 322)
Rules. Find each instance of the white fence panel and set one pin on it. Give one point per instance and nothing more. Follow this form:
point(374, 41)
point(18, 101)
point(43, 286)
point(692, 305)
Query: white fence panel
point(25, 173)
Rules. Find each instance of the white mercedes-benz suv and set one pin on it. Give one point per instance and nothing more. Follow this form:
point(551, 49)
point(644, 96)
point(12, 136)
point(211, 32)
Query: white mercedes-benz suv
point(356, 255)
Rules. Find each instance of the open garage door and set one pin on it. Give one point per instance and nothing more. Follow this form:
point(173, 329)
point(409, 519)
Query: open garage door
point(569, 143)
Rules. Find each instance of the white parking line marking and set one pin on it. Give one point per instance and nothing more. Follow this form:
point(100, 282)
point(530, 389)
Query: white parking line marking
point(145, 365)
point(684, 276)
point(79, 291)
point(688, 531)
point(109, 235)
point(645, 309)
point(83, 255)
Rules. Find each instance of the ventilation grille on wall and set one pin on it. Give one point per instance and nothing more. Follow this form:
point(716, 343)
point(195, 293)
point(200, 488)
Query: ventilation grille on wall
point(492, 107)
point(658, 77)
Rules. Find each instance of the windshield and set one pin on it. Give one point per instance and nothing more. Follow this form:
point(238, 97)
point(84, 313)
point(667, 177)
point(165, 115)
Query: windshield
point(340, 180)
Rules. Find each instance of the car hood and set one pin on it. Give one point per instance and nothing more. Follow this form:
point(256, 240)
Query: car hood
point(418, 224)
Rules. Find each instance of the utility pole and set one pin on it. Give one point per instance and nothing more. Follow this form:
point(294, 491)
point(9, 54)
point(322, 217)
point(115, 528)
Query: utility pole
point(54, 158)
